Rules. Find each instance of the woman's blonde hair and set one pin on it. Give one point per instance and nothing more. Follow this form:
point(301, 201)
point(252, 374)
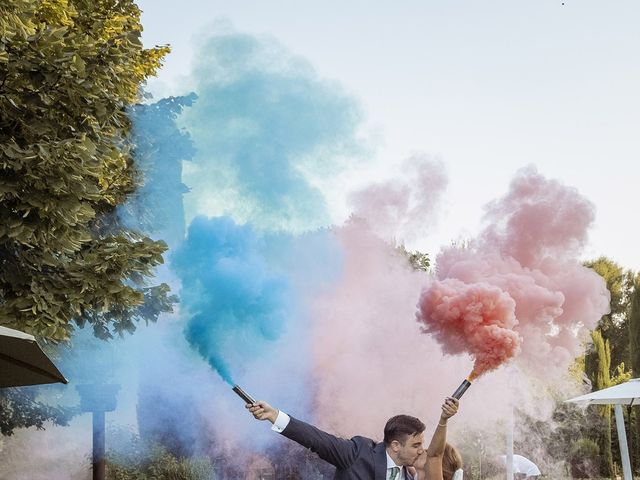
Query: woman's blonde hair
point(451, 461)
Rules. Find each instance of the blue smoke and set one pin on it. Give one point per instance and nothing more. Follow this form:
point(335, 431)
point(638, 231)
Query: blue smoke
point(160, 148)
point(237, 304)
point(263, 118)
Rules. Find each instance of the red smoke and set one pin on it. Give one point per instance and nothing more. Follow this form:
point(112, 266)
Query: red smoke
point(475, 318)
point(519, 289)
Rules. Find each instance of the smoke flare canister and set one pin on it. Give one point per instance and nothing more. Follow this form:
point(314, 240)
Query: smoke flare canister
point(243, 395)
point(461, 389)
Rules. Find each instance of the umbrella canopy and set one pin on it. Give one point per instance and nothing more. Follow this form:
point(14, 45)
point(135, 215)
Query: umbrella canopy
point(22, 362)
point(627, 393)
point(523, 465)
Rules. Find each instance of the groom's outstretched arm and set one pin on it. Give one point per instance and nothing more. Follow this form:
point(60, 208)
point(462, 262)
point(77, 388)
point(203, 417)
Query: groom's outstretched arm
point(337, 451)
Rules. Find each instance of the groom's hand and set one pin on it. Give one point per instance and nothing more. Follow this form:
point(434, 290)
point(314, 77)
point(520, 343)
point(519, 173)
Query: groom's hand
point(261, 410)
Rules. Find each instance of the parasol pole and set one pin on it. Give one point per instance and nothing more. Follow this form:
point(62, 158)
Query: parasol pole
point(622, 439)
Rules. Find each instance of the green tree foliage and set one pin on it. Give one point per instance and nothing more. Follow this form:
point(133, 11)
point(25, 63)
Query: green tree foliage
point(603, 380)
point(69, 72)
point(612, 326)
point(583, 458)
point(615, 331)
point(69, 69)
point(417, 259)
point(570, 422)
point(20, 408)
point(133, 459)
point(633, 321)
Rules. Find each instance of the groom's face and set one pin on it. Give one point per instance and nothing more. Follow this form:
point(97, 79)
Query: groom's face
point(409, 451)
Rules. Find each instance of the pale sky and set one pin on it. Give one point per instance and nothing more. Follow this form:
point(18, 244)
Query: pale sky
point(487, 86)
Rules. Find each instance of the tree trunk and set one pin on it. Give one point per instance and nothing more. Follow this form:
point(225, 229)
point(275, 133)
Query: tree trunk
point(607, 457)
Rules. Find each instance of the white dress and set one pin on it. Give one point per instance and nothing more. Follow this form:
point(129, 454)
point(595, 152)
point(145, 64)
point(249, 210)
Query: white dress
point(457, 475)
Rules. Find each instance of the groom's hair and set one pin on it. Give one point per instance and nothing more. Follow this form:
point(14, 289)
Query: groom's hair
point(400, 427)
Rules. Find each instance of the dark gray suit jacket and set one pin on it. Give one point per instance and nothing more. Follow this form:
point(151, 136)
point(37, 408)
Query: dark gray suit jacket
point(359, 458)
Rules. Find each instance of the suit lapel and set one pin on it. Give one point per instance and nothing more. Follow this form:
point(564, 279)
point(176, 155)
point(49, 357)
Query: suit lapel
point(380, 461)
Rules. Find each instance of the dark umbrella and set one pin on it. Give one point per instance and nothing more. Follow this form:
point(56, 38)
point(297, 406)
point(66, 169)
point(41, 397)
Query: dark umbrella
point(22, 362)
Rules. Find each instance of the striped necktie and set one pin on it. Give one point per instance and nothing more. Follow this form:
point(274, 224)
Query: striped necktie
point(394, 473)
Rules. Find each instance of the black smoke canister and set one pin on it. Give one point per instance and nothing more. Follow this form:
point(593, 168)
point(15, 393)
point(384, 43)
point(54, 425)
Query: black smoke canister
point(243, 395)
point(461, 389)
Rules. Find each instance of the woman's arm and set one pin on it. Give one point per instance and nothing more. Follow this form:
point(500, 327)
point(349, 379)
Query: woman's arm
point(439, 438)
point(429, 464)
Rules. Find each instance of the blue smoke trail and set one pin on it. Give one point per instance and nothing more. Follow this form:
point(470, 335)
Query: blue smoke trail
point(237, 303)
point(262, 119)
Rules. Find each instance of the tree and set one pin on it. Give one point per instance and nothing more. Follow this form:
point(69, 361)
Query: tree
point(20, 408)
point(417, 259)
point(69, 71)
point(612, 326)
point(132, 458)
point(603, 380)
point(633, 321)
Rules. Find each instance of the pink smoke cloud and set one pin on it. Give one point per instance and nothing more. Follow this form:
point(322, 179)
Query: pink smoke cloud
point(537, 219)
point(402, 208)
point(528, 250)
point(370, 361)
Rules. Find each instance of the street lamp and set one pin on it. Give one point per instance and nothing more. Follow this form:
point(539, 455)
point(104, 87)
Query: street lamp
point(98, 398)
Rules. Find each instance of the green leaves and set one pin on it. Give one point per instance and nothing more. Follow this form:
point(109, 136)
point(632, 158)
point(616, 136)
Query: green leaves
point(69, 69)
point(134, 459)
point(21, 409)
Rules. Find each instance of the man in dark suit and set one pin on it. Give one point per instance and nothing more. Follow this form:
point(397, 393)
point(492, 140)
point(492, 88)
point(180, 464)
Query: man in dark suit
point(359, 458)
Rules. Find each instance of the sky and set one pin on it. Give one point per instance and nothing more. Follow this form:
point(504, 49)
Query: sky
point(487, 88)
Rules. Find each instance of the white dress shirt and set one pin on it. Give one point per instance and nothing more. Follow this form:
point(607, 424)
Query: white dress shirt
point(282, 420)
point(390, 465)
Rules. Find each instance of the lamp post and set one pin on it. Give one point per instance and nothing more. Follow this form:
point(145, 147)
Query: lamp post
point(509, 457)
point(98, 398)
